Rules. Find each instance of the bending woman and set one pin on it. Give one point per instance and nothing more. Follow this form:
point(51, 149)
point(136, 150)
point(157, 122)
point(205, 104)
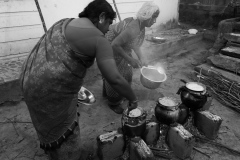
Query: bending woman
point(126, 36)
point(53, 74)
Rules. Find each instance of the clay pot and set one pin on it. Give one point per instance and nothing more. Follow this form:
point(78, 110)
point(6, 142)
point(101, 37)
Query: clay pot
point(167, 114)
point(134, 126)
point(183, 114)
point(193, 98)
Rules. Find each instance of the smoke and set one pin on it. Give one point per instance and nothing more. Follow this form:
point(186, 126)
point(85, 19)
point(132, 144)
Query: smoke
point(160, 66)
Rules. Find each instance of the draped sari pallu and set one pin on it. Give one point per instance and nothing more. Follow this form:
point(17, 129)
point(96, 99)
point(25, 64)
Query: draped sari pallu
point(51, 78)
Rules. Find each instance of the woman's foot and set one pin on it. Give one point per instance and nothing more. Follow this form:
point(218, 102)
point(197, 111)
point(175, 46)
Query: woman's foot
point(116, 108)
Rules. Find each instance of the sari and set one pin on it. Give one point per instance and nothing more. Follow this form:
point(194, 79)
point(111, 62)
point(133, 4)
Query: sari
point(50, 80)
point(123, 67)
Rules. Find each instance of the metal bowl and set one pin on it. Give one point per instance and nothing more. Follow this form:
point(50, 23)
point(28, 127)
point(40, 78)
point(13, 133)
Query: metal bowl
point(148, 83)
point(85, 96)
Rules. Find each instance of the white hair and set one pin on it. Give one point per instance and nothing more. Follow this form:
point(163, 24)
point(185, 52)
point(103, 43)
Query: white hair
point(146, 11)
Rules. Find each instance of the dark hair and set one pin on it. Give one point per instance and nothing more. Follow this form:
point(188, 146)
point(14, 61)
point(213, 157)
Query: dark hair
point(95, 8)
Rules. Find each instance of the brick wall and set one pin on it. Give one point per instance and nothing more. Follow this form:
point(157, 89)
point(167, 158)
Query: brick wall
point(20, 27)
point(205, 12)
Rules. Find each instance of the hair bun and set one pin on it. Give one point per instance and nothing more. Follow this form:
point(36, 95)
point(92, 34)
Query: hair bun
point(82, 14)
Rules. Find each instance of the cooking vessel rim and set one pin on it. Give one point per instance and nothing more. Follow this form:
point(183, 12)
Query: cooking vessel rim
point(198, 83)
point(126, 111)
point(175, 107)
point(165, 76)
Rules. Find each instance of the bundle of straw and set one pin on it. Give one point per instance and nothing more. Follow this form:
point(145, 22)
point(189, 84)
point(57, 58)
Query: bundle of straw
point(226, 91)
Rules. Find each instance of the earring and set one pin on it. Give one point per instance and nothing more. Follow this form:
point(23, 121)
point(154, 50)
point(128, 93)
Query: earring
point(100, 21)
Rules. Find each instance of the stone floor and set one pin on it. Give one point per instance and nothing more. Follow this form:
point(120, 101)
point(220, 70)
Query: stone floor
point(18, 138)
point(9, 69)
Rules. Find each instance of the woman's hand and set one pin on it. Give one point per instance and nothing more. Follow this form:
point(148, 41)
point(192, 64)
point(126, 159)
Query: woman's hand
point(135, 63)
point(144, 63)
point(132, 105)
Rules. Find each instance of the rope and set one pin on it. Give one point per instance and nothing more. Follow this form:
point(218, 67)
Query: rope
point(230, 88)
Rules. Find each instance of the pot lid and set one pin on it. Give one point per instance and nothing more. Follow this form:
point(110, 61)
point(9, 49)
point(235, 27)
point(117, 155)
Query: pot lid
point(194, 86)
point(168, 102)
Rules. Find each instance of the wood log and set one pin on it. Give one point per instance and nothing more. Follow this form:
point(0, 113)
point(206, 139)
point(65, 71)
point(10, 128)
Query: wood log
point(226, 63)
point(233, 37)
point(229, 43)
point(231, 51)
point(205, 68)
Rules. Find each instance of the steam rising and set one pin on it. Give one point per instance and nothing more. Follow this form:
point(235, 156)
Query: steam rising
point(160, 67)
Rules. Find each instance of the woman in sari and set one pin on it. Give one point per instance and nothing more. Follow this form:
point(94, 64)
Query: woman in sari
point(126, 36)
point(53, 74)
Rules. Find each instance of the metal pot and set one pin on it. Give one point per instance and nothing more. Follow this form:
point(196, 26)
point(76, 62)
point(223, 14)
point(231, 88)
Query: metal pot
point(167, 114)
point(148, 83)
point(134, 126)
point(183, 114)
point(193, 95)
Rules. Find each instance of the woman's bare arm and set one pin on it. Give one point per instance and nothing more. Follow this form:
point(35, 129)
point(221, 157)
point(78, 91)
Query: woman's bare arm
point(109, 70)
point(118, 43)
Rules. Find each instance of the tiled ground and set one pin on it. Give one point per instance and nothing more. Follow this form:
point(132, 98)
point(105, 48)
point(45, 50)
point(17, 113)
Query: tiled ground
point(10, 69)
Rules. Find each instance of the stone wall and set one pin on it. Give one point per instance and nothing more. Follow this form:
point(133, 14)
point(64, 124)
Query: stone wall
point(207, 13)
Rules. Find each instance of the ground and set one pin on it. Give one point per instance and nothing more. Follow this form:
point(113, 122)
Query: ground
point(18, 139)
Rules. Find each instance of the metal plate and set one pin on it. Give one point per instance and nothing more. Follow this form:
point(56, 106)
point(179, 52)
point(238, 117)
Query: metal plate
point(85, 96)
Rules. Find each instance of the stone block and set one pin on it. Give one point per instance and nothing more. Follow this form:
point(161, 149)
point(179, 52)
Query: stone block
point(152, 133)
point(180, 141)
point(110, 145)
point(207, 123)
point(139, 150)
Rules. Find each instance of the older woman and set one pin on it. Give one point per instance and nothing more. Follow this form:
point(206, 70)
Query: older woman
point(53, 74)
point(126, 36)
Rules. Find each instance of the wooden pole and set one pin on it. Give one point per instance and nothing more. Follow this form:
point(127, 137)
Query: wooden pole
point(117, 10)
point(41, 16)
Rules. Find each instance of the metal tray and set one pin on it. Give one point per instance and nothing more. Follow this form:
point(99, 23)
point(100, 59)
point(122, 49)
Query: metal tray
point(86, 97)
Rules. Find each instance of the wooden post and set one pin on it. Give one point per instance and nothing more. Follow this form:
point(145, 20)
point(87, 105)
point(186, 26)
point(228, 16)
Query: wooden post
point(41, 16)
point(117, 10)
